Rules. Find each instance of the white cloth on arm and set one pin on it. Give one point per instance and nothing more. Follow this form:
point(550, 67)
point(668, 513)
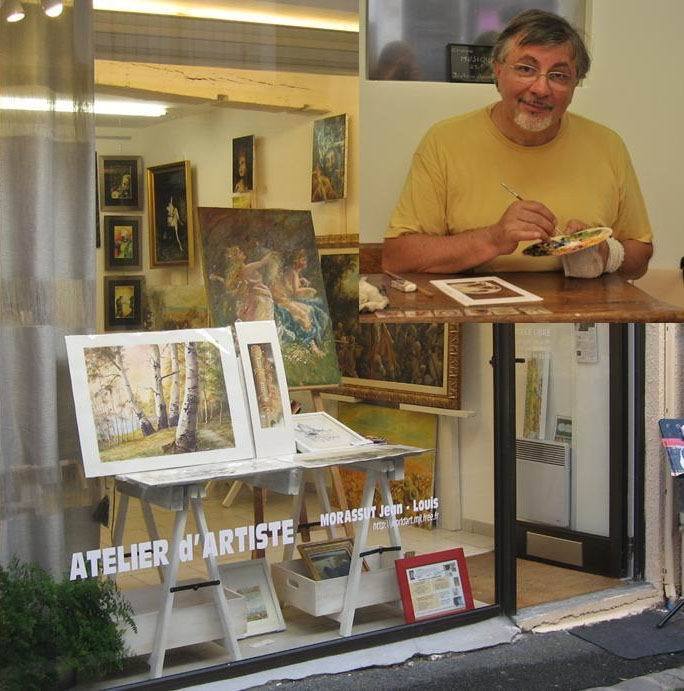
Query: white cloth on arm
point(589, 264)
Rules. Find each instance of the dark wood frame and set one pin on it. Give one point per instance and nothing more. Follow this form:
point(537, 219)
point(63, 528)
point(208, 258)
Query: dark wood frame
point(106, 203)
point(133, 324)
point(113, 264)
point(403, 565)
point(152, 215)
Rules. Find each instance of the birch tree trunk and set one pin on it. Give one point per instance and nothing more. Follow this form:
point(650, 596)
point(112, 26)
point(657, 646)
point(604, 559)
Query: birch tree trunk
point(186, 432)
point(159, 401)
point(174, 403)
point(145, 425)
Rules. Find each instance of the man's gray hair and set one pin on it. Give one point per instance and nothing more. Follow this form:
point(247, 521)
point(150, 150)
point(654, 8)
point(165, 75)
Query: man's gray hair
point(539, 28)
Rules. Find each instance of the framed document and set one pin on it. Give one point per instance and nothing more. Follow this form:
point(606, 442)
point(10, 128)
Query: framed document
point(434, 585)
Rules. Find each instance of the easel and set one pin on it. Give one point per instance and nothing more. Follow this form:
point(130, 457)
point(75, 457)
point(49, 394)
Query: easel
point(259, 493)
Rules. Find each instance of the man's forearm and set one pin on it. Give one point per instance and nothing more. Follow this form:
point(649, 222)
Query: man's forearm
point(637, 256)
point(439, 254)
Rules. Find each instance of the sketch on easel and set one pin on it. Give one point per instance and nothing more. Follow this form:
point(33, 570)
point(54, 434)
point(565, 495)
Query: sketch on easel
point(319, 432)
point(158, 400)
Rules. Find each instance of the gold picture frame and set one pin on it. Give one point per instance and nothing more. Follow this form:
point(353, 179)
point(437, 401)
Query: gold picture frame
point(329, 559)
point(171, 215)
point(385, 362)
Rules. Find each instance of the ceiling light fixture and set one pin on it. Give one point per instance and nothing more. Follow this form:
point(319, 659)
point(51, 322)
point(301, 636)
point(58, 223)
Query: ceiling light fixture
point(52, 8)
point(121, 108)
point(13, 11)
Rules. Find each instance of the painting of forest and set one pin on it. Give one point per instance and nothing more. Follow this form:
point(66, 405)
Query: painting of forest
point(262, 265)
point(176, 307)
point(329, 159)
point(155, 400)
point(397, 427)
point(266, 386)
point(393, 362)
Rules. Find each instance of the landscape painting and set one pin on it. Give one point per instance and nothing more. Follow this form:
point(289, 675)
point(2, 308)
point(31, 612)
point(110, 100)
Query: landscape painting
point(172, 400)
point(399, 363)
point(397, 427)
point(261, 265)
point(329, 162)
point(176, 307)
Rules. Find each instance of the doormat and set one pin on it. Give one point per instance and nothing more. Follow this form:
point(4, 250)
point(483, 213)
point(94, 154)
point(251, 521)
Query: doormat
point(636, 636)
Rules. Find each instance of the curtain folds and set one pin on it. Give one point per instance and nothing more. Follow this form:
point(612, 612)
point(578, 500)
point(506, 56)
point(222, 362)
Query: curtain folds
point(47, 274)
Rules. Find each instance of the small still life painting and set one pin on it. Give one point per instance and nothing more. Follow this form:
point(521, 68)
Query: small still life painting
point(120, 183)
point(157, 400)
point(170, 214)
point(122, 242)
point(397, 427)
point(329, 164)
point(263, 265)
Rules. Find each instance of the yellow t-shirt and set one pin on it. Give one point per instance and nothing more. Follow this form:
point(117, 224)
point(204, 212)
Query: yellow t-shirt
point(454, 184)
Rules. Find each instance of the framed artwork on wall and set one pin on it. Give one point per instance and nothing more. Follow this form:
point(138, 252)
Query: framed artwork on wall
point(252, 579)
point(120, 183)
point(123, 297)
point(263, 264)
point(176, 307)
point(243, 164)
point(397, 363)
point(171, 226)
point(269, 404)
point(434, 585)
point(138, 395)
point(329, 160)
point(122, 242)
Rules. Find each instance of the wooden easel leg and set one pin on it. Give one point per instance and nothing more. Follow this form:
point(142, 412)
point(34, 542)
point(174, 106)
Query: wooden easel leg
point(322, 492)
point(258, 504)
point(152, 531)
point(232, 494)
point(354, 578)
point(156, 659)
point(120, 520)
point(229, 638)
point(392, 528)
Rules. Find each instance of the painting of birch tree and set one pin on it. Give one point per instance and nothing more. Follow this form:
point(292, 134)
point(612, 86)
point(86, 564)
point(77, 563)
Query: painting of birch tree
point(158, 399)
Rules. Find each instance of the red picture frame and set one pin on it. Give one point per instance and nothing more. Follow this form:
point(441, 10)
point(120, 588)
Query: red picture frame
point(442, 592)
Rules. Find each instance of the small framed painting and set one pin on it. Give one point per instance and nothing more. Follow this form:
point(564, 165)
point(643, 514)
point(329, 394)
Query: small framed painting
point(169, 189)
point(331, 559)
point(434, 585)
point(484, 290)
point(329, 159)
point(563, 429)
point(138, 399)
point(320, 432)
point(122, 242)
point(252, 579)
point(243, 164)
point(120, 183)
point(269, 404)
point(123, 297)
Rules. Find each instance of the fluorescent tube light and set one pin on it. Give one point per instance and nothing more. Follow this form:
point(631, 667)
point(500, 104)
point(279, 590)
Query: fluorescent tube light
point(122, 108)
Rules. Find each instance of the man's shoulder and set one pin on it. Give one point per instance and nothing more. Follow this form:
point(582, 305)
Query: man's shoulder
point(585, 127)
point(465, 121)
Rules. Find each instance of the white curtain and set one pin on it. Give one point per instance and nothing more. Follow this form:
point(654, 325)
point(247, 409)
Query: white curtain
point(47, 270)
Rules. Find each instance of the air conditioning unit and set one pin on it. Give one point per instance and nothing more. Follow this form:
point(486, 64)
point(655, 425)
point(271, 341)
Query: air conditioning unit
point(543, 482)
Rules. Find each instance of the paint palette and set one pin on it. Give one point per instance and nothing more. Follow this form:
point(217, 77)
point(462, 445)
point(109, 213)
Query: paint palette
point(567, 244)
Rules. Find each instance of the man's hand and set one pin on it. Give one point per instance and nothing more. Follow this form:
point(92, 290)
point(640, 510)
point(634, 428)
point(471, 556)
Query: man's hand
point(522, 220)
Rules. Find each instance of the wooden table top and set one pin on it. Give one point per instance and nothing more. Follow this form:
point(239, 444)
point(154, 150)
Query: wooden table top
point(607, 299)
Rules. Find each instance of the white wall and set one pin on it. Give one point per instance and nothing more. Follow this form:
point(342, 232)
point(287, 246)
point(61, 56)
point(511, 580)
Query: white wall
point(635, 87)
point(283, 164)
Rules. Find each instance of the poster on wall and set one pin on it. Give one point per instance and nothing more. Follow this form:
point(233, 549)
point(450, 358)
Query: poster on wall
point(138, 400)
point(536, 394)
point(169, 189)
point(397, 363)
point(262, 265)
point(329, 162)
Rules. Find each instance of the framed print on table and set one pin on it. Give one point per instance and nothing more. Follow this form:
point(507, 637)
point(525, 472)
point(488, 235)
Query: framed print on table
point(122, 242)
point(434, 585)
point(484, 290)
point(123, 297)
point(320, 432)
point(269, 405)
point(419, 364)
point(252, 579)
point(169, 189)
point(120, 183)
point(138, 396)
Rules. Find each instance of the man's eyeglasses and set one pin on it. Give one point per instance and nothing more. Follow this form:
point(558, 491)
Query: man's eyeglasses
point(528, 75)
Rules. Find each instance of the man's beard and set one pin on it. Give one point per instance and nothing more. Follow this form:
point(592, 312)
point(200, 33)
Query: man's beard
point(533, 123)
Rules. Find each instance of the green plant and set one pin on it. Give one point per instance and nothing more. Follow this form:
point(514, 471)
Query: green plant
point(49, 628)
